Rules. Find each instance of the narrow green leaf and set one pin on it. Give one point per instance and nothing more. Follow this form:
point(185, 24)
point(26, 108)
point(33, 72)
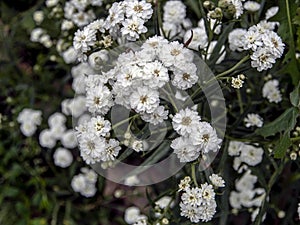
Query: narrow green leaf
point(285, 122)
point(282, 145)
point(295, 96)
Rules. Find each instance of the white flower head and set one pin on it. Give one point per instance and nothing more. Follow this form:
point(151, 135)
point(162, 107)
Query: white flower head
point(251, 6)
point(62, 157)
point(185, 150)
point(217, 180)
point(185, 121)
point(144, 100)
point(206, 137)
point(253, 119)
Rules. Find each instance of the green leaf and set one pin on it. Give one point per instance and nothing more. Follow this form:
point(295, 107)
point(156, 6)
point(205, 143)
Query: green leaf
point(295, 96)
point(285, 122)
point(282, 145)
point(195, 7)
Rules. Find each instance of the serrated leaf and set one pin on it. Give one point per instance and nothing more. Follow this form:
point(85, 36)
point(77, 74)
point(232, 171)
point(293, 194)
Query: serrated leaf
point(295, 96)
point(285, 122)
point(282, 145)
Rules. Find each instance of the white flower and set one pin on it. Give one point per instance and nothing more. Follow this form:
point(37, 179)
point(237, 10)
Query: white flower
point(175, 53)
point(164, 202)
point(174, 12)
point(144, 100)
point(96, 2)
point(199, 40)
point(140, 9)
point(252, 40)
point(58, 130)
point(235, 200)
point(251, 6)
point(246, 182)
point(217, 180)
point(84, 39)
point(62, 157)
point(69, 55)
point(158, 116)
point(238, 8)
point(153, 45)
point(274, 43)
point(56, 119)
point(208, 211)
point(253, 119)
point(111, 151)
point(184, 184)
point(91, 147)
point(192, 196)
point(272, 12)
point(271, 92)
point(51, 3)
point(38, 17)
point(132, 28)
point(185, 121)
point(116, 15)
point(67, 25)
point(157, 75)
point(137, 145)
point(46, 139)
point(189, 211)
point(236, 39)
point(131, 180)
point(131, 214)
point(99, 126)
point(251, 155)
point(80, 183)
point(28, 129)
point(69, 140)
point(36, 33)
point(99, 100)
point(185, 151)
point(185, 77)
point(207, 193)
point(206, 137)
point(235, 148)
point(262, 59)
point(236, 82)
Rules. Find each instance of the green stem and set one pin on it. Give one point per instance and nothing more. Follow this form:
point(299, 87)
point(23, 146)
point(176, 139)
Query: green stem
point(240, 101)
point(272, 180)
point(194, 174)
point(234, 67)
point(124, 121)
point(295, 139)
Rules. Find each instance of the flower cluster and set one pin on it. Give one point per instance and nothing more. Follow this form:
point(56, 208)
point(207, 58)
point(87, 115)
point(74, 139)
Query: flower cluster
point(198, 203)
point(174, 19)
point(196, 137)
point(246, 195)
point(271, 91)
point(126, 20)
point(85, 182)
point(62, 157)
point(57, 132)
point(133, 216)
point(29, 120)
point(245, 154)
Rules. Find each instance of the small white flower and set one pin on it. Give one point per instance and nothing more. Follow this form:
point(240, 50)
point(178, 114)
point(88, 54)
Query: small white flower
point(262, 59)
point(192, 196)
point(235, 148)
point(206, 137)
point(217, 180)
point(62, 157)
point(132, 28)
point(164, 202)
point(184, 183)
point(272, 12)
point(185, 151)
point(174, 12)
point(98, 59)
point(69, 139)
point(28, 129)
point(46, 139)
point(236, 39)
point(84, 39)
point(185, 77)
point(251, 155)
point(131, 214)
point(271, 91)
point(144, 100)
point(189, 211)
point(185, 121)
point(140, 9)
point(99, 100)
point(253, 119)
point(251, 6)
point(236, 82)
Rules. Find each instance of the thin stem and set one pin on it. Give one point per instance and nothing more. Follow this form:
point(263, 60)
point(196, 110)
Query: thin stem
point(234, 67)
point(240, 101)
point(124, 121)
point(194, 174)
point(295, 139)
point(272, 180)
